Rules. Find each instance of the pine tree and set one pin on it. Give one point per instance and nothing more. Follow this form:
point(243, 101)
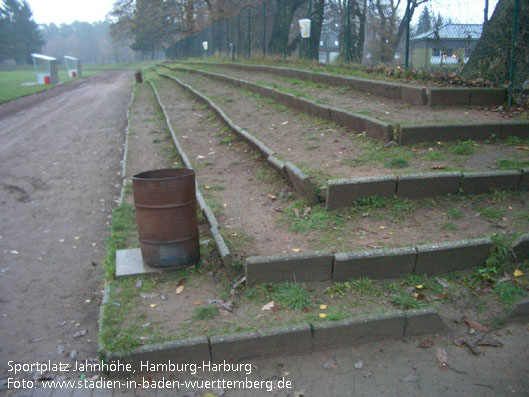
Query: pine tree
point(425, 22)
point(20, 34)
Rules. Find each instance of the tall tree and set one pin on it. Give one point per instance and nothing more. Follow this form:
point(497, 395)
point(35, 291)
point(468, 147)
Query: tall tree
point(491, 56)
point(425, 22)
point(351, 42)
point(283, 16)
point(22, 35)
point(150, 23)
point(384, 22)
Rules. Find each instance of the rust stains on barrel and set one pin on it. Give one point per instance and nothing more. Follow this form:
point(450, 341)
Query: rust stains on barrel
point(166, 213)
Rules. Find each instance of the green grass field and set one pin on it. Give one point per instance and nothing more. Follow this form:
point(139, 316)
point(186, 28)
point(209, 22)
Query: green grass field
point(11, 80)
point(11, 83)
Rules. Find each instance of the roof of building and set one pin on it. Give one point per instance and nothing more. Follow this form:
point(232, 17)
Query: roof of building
point(45, 57)
point(457, 31)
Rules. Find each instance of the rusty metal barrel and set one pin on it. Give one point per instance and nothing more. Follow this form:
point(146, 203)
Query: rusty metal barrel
point(138, 77)
point(166, 213)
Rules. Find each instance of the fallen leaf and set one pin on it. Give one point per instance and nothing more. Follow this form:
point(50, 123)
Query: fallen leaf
point(474, 324)
point(180, 289)
point(359, 364)
point(517, 273)
point(14, 252)
point(226, 305)
point(522, 147)
point(438, 167)
point(420, 286)
point(382, 227)
point(207, 187)
point(153, 305)
point(426, 343)
point(443, 283)
point(323, 307)
point(268, 306)
point(306, 212)
point(490, 342)
point(80, 334)
point(197, 303)
point(296, 211)
point(284, 123)
point(323, 315)
point(296, 249)
point(330, 363)
point(442, 358)
point(272, 196)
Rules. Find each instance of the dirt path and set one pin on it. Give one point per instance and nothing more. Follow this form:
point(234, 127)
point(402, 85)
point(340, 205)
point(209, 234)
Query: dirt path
point(59, 177)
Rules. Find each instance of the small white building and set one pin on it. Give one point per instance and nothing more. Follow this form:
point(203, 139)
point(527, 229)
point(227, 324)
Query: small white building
point(46, 69)
point(73, 66)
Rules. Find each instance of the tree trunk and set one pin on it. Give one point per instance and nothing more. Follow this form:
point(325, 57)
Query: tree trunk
point(285, 10)
point(316, 17)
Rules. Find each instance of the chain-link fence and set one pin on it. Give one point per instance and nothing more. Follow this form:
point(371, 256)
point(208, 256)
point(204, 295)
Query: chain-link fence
point(470, 37)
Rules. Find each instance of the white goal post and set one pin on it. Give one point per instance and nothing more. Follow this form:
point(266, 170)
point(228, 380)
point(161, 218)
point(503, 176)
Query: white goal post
point(45, 68)
point(73, 66)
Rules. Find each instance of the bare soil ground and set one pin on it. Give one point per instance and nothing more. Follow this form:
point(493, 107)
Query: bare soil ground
point(325, 150)
point(384, 109)
point(59, 177)
point(208, 305)
point(235, 181)
point(291, 224)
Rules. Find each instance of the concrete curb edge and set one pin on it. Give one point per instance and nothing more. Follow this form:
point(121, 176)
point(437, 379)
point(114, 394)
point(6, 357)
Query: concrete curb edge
point(275, 341)
point(222, 248)
point(297, 179)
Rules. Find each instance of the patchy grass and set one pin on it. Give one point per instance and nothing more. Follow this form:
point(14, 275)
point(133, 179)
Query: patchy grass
point(300, 217)
point(205, 313)
point(512, 164)
point(123, 234)
point(464, 148)
point(508, 293)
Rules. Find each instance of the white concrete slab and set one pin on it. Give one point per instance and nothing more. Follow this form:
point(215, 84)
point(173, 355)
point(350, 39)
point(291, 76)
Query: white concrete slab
point(130, 263)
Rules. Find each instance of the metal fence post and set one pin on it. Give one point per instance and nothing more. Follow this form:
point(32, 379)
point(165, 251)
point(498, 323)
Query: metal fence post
point(264, 28)
point(227, 37)
point(285, 32)
point(348, 32)
point(408, 20)
point(238, 35)
point(249, 32)
point(513, 48)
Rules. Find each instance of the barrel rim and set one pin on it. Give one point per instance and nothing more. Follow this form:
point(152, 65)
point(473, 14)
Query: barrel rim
point(151, 175)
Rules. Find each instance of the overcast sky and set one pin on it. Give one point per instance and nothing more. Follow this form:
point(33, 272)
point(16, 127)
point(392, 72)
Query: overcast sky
point(68, 11)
